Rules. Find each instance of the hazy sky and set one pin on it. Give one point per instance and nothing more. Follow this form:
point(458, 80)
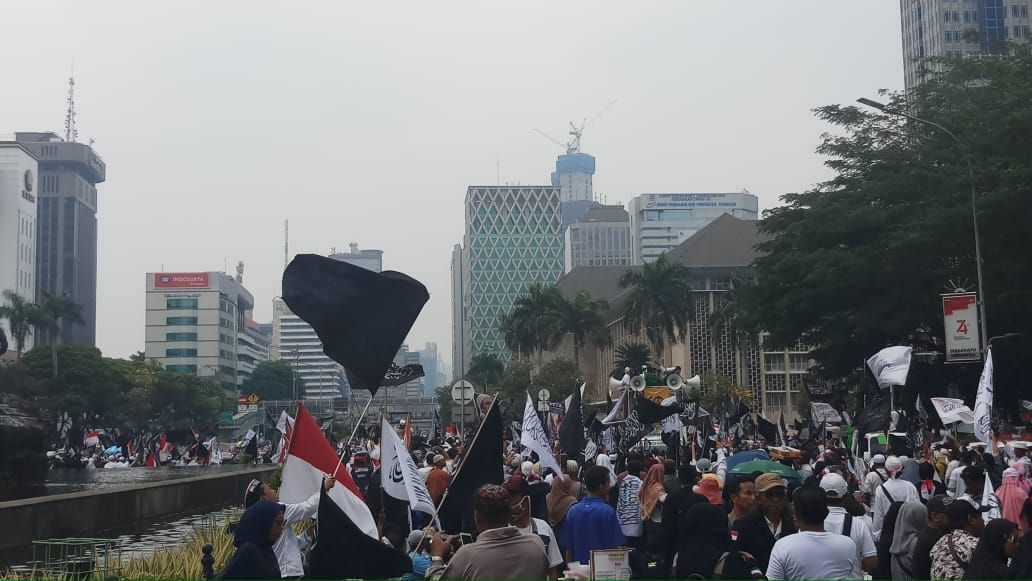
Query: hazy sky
point(366, 121)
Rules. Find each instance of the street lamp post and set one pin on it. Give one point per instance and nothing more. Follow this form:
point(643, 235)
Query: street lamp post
point(984, 336)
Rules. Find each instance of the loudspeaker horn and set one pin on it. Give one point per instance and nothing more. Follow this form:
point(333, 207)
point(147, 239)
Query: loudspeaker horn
point(615, 383)
point(694, 382)
point(674, 381)
point(638, 383)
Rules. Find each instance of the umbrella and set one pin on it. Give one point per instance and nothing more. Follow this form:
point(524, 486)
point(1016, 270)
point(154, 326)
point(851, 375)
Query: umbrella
point(766, 466)
point(113, 450)
point(742, 457)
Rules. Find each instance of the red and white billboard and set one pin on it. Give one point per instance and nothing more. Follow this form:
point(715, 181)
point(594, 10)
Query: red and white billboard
point(181, 280)
point(960, 317)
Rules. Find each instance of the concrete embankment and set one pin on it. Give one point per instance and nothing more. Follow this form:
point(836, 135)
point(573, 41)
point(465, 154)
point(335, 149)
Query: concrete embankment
point(90, 513)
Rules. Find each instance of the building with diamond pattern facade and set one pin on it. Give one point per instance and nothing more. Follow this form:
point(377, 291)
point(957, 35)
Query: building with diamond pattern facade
point(513, 239)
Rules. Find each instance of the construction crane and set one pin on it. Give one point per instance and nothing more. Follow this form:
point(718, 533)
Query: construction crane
point(573, 145)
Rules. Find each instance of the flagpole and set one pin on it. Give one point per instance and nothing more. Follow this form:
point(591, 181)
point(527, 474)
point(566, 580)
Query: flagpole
point(353, 432)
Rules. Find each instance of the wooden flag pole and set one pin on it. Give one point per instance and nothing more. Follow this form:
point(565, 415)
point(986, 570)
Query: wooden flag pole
point(353, 432)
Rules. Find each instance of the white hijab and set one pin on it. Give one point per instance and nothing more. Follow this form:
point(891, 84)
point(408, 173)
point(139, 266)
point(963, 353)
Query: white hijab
point(603, 461)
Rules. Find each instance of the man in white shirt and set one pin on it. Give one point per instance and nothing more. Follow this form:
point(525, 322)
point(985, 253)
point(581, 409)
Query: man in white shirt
point(813, 553)
point(892, 490)
point(838, 519)
point(875, 477)
point(287, 549)
point(519, 501)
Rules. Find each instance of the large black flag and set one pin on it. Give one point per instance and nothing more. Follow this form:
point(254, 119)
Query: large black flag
point(481, 464)
point(395, 375)
point(650, 412)
point(571, 431)
point(360, 316)
point(768, 430)
point(874, 418)
point(343, 551)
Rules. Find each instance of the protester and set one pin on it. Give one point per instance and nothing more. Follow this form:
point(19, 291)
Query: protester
point(935, 528)
point(670, 481)
point(911, 520)
point(709, 487)
point(539, 490)
point(928, 486)
point(975, 492)
point(884, 543)
point(591, 524)
point(839, 520)
point(1012, 499)
point(559, 501)
point(706, 550)
point(419, 553)
point(742, 495)
point(437, 480)
point(890, 491)
point(500, 551)
point(999, 543)
point(1021, 564)
point(676, 524)
point(875, 477)
point(254, 536)
point(757, 532)
point(952, 553)
point(813, 553)
point(651, 497)
point(628, 507)
point(572, 469)
point(519, 501)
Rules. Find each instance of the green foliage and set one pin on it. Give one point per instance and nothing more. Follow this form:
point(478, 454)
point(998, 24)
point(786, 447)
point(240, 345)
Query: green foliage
point(659, 301)
point(718, 388)
point(859, 261)
point(87, 383)
point(21, 315)
point(559, 376)
point(444, 403)
point(273, 380)
point(485, 369)
point(542, 316)
point(632, 355)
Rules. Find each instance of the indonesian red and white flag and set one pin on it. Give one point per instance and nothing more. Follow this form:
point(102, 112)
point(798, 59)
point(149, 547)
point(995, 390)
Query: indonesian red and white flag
point(309, 457)
point(92, 439)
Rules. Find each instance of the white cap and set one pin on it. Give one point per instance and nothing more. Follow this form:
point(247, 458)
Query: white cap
point(834, 485)
point(893, 464)
point(1020, 444)
point(878, 459)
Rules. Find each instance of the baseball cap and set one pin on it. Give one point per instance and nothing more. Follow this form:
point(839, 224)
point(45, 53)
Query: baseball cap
point(939, 503)
point(704, 465)
point(834, 485)
point(893, 464)
point(878, 459)
point(765, 482)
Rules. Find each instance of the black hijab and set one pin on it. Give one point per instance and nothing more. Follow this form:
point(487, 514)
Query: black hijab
point(989, 559)
point(254, 558)
point(710, 538)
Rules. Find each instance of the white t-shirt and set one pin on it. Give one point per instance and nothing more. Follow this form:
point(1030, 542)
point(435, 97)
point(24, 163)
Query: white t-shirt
point(810, 555)
point(900, 490)
point(859, 531)
point(555, 557)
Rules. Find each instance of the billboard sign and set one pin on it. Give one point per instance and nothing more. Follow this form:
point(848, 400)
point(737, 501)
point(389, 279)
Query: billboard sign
point(960, 318)
point(181, 280)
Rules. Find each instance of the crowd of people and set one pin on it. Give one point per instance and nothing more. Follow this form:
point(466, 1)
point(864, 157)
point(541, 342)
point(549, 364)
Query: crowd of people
point(954, 512)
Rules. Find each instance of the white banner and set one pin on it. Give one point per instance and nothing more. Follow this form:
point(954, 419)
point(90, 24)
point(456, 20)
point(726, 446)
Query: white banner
point(533, 437)
point(399, 474)
point(952, 410)
point(891, 365)
point(960, 318)
point(984, 400)
point(823, 412)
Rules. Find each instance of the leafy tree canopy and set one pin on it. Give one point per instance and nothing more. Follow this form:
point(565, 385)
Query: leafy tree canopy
point(272, 380)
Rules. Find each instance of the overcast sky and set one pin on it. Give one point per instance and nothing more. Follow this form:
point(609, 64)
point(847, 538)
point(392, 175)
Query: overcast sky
point(366, 121)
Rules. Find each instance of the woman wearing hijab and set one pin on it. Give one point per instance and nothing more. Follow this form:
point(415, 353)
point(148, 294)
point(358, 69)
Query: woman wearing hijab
point(559, 501)
point(884, 569)
point(651, 495)
point(999, 542)
point(705, 542)
point(259, 528)
point(1024, 476)
point(1012, 499)
point(911, 520)
point(1021, 565)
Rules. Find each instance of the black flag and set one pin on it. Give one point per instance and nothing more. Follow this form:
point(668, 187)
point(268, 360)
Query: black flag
point(874, 418)
point(650, 412)
point(360, 316)
point(571, 431)
point(343, 551)
point(481, 464)
point(395, 375)
point(768, 430)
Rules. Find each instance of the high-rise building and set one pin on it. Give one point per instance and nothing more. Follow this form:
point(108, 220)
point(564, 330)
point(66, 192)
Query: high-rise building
point(573, 174)
point(252, 349)
point(660, 222)
point(602, 237)
point(66, 239)
point(193, 322)
point(18, 176)
point(430, 361)
point(513, 239)
point(958, 28)
point(460, 339)
point(295, 341)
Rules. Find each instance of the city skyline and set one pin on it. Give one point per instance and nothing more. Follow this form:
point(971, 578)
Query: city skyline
point(214, 143)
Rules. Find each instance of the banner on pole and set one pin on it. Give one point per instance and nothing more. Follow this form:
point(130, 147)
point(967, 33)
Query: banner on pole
point(960, 319)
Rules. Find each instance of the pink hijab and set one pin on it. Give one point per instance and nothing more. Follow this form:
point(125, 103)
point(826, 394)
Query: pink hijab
point(1012, 499)
point(1024, 478)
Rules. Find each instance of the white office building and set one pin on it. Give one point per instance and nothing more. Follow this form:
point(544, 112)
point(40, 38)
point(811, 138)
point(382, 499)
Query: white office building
point(18, 170)
point(660, 222)
point(295, 341)
point(193, 322)
point(252, 349)
point(601, 237)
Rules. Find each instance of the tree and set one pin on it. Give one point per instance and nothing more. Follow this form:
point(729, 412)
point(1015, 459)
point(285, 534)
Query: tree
point(89, 387)
point(859, 261)
point(531, 324)
point(138, 357)
point(633, 355)
point(659, 301)
point(718, 388)
point(273, 380)
point(20, 315)
point(51, 314)
point(581, 318)
point(559, 376)
point(485, 369)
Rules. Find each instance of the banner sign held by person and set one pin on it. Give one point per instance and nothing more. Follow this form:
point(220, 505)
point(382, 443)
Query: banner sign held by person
point(400, 475)
point(533, 437)
point(824, 412)
point(960, 318)
point(891, 365)
point(952, 410)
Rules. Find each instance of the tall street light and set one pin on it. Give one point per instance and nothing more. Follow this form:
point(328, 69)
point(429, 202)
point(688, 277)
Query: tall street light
point(984, 336)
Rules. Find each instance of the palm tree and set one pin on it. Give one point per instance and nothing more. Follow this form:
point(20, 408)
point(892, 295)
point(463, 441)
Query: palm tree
point(21, 314)
point(659, 301)
point(53, 311)
point(580, 317)
point(485, 369)
point(532, 319)
point(632, 355)
point(518, 338)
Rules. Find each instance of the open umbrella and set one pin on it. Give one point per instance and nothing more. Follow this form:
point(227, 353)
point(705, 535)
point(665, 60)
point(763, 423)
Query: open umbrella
point(766, 466)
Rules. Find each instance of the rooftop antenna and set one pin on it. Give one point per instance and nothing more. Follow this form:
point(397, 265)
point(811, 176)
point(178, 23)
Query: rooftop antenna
point(286, 243)
point(71, 132)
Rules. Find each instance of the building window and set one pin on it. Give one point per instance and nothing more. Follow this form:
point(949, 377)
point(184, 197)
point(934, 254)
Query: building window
point(170, 321)
point(227, 355)
point(190, 369)
point(798, 362)
point(171, 304)
point(180, 336)
point(225, 339)
point(180, 353)
point(774, 361)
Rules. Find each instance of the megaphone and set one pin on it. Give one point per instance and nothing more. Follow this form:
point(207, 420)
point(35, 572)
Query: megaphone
point(694, 382)
point(674, 381)
point(638, 383)
point(615, 383)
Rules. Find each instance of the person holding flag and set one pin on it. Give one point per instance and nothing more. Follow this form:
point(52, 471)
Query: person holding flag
point(286, 547)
